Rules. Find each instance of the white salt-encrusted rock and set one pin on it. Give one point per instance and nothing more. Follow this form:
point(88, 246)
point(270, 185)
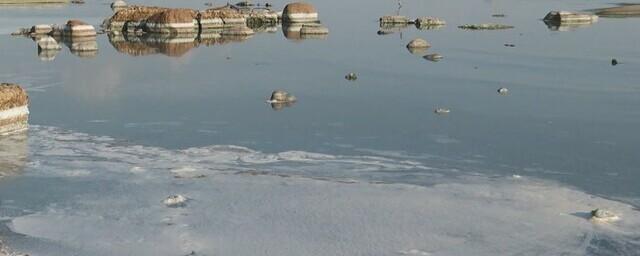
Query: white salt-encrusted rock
point(603, 215)
point(41, 29)
point(175, 201)
point(14, 110)
point(299, 12)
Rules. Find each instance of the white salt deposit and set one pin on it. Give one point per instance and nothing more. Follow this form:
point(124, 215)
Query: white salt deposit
point(232, 214)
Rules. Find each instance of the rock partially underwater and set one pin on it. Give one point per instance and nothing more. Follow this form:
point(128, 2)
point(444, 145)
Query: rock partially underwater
point(299, 12)
point(623, 11)
point(485, 26)
point(565, 21)
point(14, 110)
point(281, 99)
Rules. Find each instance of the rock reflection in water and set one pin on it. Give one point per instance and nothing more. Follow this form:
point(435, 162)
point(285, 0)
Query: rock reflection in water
point(13, 154)
point(566, 26)
point(291, 31)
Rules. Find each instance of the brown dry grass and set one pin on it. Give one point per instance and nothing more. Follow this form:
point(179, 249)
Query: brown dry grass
point(136, 13)
point(11, 96)
point(173, 16)
point(299, 7)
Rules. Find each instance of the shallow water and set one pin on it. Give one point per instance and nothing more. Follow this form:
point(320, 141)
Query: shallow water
point(570, 117)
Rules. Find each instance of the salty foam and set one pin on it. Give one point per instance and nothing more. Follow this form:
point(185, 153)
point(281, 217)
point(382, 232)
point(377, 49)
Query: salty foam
point(231, 214)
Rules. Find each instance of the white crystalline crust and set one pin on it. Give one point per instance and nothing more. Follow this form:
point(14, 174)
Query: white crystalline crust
point(243, 207)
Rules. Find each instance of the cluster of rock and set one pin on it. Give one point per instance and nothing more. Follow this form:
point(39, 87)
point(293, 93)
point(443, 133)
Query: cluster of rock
point(564, 21)
point(79, 37)
point(390, 23)
point(14, 109)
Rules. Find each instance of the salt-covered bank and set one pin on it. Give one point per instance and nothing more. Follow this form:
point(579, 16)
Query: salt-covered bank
point(105, 197)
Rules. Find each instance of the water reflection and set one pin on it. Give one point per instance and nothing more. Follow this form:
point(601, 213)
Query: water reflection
point(13, 154)
point(293, 31)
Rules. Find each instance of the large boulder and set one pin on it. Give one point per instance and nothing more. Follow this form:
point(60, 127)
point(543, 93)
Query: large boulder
point(299, 12)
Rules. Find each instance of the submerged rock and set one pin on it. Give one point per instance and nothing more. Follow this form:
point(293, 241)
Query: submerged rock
point(14, 111)
point(603, 215)
point(485, 26)
point(299, 12)
point(433, 57)
point(175, 201)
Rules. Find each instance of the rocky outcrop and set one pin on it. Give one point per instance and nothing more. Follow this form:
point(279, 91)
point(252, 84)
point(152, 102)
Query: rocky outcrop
point(299, 12)
point(14, 111)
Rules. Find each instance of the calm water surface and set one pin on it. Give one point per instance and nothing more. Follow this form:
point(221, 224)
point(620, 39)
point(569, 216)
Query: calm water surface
point(569, 116)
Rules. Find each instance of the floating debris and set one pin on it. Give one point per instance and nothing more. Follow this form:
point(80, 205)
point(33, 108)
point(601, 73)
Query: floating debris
point(351, 76)
point(433, 57)
point(614, 62)
point(14, 110)
point(627, 10)
point(485, 26)
point(442, 111)
point(503, 91)
point(175, 201)
point(602, 215)
point(299, 12)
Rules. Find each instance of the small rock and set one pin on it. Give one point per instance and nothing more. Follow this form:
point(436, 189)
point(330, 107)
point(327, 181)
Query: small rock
point(433, 57)
point(77, 1)
point(351, 76)
point(503, 91)
point(41, 29)
point(268, 5)
point(175, 201)
point(418, 43)
point(442, 111)
point(280, 96)
point(208, 4)
point(509, 45)
point(614, 62)
point(118, 5)
point(603, 215)
point(244, 3)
